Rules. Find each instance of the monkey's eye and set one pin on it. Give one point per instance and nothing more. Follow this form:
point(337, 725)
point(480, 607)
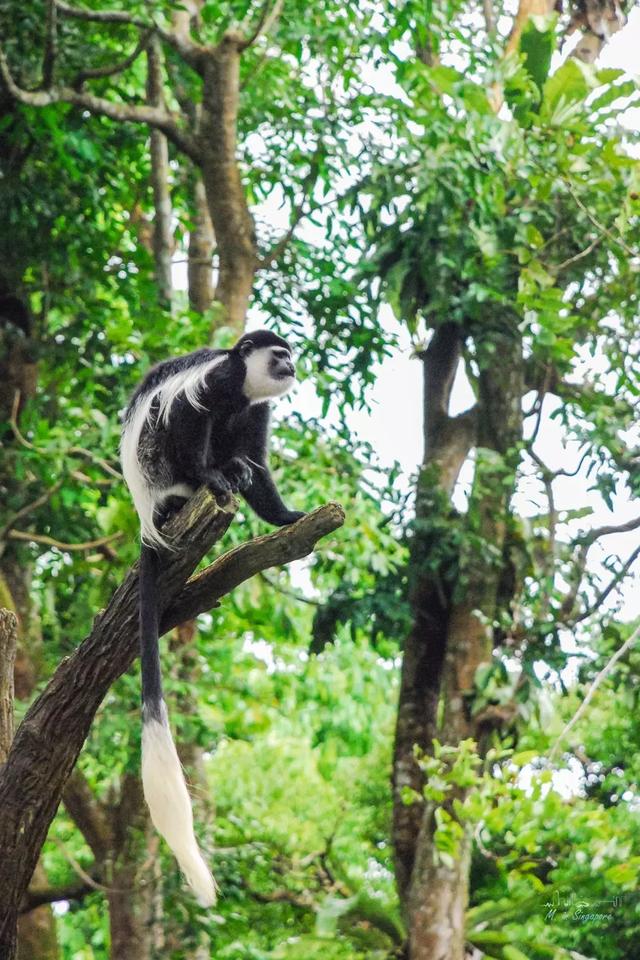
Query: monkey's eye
point(282, 354)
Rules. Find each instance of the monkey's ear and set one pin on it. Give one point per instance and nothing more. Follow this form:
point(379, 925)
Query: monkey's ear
point(246, 348)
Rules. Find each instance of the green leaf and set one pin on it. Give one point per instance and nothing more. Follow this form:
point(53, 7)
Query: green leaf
point(537, 43)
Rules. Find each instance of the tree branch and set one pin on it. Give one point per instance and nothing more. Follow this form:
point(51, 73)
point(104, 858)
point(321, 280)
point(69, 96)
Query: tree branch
point(156, 117)
point(604, 673)
point(181, 43)
point(98, 73)
point(39, 896)
point(41, 759)
point(160, 178)
point(203, 590)
point(42, 538)
point(268, 17)
point(8, 642)
point(613, 583)
point(28, 508)
point(592, 535)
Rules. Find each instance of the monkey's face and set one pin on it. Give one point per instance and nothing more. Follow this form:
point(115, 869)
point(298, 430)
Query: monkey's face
point(270, 372)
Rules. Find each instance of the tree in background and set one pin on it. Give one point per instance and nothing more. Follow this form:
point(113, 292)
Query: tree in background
point(501, 242)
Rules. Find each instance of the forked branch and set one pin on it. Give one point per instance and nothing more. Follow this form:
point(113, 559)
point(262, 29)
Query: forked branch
point(52, 733)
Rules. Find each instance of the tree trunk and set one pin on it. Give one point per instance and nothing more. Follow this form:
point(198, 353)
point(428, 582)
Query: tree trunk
point(232, 221)
point(201, 246)
point(18, 373)
point(454, 597)
point(437, 900)
point(159, 152)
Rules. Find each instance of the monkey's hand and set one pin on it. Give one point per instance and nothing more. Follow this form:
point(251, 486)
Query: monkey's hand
point(238, 473)
point(218, 484)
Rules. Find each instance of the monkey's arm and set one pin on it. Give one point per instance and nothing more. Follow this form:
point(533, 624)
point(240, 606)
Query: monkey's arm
point(189, 444)
point(262, 494)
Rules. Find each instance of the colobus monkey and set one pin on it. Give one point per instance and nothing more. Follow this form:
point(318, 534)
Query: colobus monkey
point(198, 419)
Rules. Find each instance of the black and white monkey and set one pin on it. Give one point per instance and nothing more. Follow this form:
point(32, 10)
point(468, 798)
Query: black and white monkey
point(198, 419)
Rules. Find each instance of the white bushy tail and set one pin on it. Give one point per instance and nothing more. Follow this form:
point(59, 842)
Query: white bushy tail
point(169, 803)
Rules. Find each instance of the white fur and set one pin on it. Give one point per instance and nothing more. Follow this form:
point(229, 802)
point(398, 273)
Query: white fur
point(169, 804)
point(147, 498)
point(258, 384)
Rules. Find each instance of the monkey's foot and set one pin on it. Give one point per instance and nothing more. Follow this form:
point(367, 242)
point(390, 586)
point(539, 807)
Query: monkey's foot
point(239, 474)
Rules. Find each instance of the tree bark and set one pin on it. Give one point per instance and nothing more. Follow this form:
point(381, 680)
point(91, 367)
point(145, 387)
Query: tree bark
point(446, 446)
point(202, 243)
point(40, 760)
point(454, 596)
point(232, 222)
point(8, 644)
point(159, 154)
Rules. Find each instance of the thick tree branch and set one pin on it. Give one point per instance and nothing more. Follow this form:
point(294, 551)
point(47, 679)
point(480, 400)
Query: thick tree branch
point(202, 242)
point(39, 896)
point(447, 440)
point(203, 590)
point(51, 735)
point(156, 117)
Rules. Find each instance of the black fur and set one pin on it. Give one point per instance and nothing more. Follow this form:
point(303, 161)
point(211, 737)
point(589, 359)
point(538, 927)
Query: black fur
point(224, 446)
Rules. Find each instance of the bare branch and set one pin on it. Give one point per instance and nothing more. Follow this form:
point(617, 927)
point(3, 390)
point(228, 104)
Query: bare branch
point(583, 543)
point(156, 117)
point(231, 569)
point(181, 43)
point(162, 229)
point(98, 73)
point(29, 508)
point(579, 256)
point(591, 536)
point(47, 541)
point(604, 673)
point(596, 223)
point(489, 16)
point(99, 16)
point(613, 583)
point(268, 17)
point(95, 459)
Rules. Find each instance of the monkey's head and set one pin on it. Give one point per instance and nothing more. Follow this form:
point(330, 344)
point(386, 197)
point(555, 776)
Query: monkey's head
point(268, 363)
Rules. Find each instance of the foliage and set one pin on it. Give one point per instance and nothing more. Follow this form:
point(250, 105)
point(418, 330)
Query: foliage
point(418, 194)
